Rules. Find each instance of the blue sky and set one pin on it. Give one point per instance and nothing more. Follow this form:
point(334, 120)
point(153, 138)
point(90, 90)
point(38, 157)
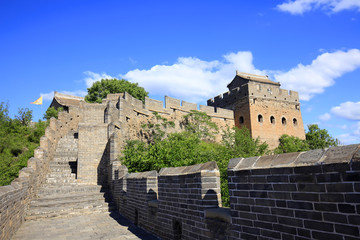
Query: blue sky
point(186, 49)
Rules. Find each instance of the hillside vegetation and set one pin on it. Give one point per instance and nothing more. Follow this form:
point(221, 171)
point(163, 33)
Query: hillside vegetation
point(18, 139)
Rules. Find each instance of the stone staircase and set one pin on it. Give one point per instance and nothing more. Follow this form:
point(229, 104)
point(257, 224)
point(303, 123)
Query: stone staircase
point(61, 195)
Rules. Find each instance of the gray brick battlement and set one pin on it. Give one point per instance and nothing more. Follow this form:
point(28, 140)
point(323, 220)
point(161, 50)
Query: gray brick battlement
point(171, 105)
point(342, 154)
point(254, 90)
point(311, 195)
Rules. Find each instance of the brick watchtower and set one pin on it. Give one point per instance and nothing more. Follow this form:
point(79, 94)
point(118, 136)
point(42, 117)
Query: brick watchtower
point(263, 107)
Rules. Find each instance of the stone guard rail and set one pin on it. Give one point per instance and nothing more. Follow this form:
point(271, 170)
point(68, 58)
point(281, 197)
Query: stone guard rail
point(308, 195)
point(15, 198)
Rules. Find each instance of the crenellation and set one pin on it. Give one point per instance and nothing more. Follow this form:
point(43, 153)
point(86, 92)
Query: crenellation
point(154, 105)
point(187, 106)
point(207, 109)
point(172, 102)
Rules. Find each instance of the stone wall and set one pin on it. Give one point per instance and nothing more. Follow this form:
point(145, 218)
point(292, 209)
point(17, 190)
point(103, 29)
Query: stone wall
point(127, 115)
point(311, 195)
point(15, 198)
point(308, 195)
point(171, 204)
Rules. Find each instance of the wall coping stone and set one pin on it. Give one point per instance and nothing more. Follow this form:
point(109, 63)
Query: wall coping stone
point(142, 174)
point(340, 154)
point(203, 167)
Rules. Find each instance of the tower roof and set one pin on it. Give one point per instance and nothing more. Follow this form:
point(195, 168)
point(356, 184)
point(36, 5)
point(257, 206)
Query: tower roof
point(242, 78)
point(65, 100)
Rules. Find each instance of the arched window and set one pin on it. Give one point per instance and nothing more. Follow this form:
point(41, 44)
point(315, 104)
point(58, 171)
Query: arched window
point(260, 118)
point(241, 120)
point(283, 121)
point(295, 122)
point(272, 120)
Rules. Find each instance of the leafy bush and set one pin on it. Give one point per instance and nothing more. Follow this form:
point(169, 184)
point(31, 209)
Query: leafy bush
point(52, 112)
point(316, 138)
point(192, 146)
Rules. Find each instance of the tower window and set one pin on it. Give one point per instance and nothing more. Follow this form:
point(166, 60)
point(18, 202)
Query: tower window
point(272, 120)
point(260, 118)
point(295, 122)
point(241, 120)
point(283, 121)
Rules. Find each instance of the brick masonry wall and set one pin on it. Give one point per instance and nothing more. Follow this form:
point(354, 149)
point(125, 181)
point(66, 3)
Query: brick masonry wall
point(170, 204)
point(15, 198)
point(140, 189)
point(312, 195)
point(184, 195)
point(92, 155)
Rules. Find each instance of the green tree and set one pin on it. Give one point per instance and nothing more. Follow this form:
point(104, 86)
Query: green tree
point(4, 112)
point(319, 138)
point(291, 144)
point(200, 124)
point(24, 116)
point(241, 144)
point(191, 147)
point(52, 112)
point(100, 89)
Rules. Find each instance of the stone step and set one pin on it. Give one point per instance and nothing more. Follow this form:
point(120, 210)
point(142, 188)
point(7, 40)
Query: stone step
point(60, 168)
point(71, 199)
point(47, 190)
point(70, 195)
point(62, 163)
point(58, 180)
point(61, 175)
point(67, 210)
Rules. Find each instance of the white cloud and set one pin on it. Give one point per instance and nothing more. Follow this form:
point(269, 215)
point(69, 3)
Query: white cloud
point(47, 96)
point(312, 79)
point(191, 78)
point(325, 117)
point(80, 93)
point(94, 77)
point(348, 110)
point(357, 129)
point(348, 138)
point(197, 80)
point(298, 7)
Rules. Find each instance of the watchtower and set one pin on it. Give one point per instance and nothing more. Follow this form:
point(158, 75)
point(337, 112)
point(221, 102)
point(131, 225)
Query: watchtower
point(263, 107)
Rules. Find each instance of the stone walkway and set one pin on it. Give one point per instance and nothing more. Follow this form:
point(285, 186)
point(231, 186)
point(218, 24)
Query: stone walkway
point(81, 227)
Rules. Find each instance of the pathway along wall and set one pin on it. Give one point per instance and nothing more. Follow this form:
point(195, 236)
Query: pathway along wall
point(309, 195)
point(15, 198)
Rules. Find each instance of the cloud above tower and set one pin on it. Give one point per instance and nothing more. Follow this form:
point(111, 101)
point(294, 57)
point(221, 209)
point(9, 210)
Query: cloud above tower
point(197, 80)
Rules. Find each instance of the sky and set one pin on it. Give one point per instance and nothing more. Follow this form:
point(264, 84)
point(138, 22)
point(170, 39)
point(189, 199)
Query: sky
point(188, 50)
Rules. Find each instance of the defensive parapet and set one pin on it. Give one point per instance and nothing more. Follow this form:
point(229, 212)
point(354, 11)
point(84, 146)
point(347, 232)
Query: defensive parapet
point(306, 195)
point(15, 198)
point(254, 90)
point(171, 105)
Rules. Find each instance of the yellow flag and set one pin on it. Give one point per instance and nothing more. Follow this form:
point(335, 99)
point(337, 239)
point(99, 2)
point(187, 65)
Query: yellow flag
point(37, 101)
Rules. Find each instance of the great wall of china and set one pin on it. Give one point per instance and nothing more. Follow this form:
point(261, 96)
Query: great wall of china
point(76, 171)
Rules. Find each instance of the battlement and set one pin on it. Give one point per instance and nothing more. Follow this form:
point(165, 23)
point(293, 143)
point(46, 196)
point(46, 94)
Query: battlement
point(170, 105)
point(254, 90)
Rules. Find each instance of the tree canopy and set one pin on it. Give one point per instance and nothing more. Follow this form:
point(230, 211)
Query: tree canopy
point(192, 146)
point(319, 138)
point(52, 112)
point(100, 89)
point(316, 138)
